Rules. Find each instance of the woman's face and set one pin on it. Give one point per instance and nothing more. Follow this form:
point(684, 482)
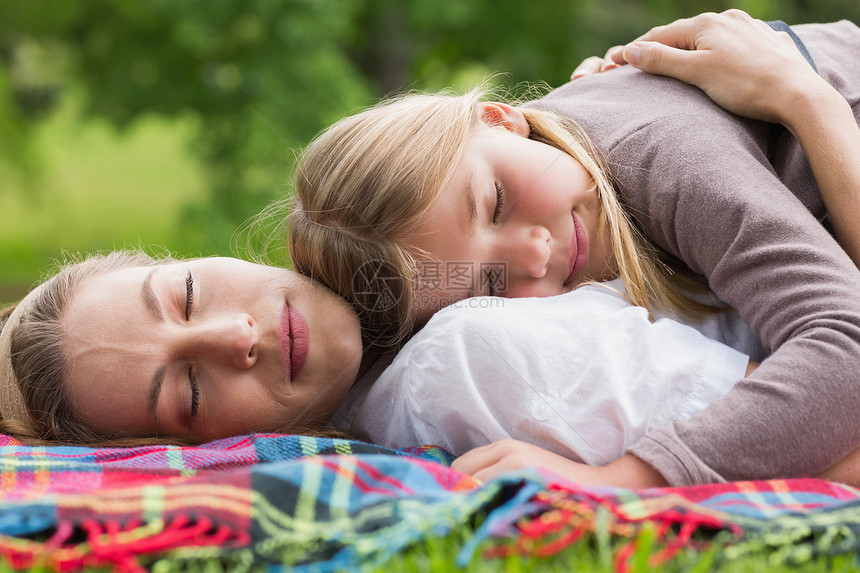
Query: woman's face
point(208, 348)
point(518, 218)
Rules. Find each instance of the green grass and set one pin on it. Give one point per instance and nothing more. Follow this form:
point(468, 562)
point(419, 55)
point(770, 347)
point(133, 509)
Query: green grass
point(597, 554)
point(593, 554)
point(95, 188)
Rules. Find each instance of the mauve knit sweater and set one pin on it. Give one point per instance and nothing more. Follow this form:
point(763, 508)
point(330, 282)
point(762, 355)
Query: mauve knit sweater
point(736, 200)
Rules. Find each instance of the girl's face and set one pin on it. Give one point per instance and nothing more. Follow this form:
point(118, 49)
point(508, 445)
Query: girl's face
point(518, 218)
point(208, 348)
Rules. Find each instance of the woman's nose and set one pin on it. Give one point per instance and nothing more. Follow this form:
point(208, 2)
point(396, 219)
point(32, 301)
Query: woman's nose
point(529, 251)
point(233, 339)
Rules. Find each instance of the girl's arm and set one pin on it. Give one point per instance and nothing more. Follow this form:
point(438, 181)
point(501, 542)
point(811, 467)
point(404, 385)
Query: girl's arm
point(486, 462)
point(751, 70)
point(628, 471)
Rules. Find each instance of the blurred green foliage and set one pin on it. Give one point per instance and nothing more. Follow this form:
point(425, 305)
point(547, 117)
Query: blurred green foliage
point(259, 78)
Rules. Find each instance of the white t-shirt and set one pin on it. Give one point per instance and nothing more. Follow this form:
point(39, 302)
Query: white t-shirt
point(584, 374)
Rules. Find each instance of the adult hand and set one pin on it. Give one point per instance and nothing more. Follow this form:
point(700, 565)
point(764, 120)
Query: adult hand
point(486, 462)
point(752, 70)
point(741, 63)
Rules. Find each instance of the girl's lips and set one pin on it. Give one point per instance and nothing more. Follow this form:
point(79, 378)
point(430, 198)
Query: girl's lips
point(293, 334)
point(578, 249)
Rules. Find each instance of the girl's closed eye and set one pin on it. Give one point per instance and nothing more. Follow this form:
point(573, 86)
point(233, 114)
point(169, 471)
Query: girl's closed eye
point(500, 199)
point(189, 295)
point(491, 282)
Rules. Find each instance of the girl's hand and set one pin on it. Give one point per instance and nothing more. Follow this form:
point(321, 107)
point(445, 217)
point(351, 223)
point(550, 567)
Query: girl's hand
point(486, 462)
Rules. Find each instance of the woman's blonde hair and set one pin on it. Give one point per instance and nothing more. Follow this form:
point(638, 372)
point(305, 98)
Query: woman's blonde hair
point(363, 184)
point(38, 356)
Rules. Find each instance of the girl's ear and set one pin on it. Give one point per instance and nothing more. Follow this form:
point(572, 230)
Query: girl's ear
point(501, 114)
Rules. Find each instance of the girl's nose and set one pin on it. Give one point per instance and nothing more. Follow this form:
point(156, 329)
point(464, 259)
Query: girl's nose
point(233, 339)
point(530, 252)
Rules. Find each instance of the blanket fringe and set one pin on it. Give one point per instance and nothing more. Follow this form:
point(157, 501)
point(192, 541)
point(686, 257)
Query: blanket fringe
point(117, 547)
point(562, 517)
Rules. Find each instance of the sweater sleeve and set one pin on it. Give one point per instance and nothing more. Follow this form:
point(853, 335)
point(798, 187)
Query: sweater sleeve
point(707, 187)
point(732, 220)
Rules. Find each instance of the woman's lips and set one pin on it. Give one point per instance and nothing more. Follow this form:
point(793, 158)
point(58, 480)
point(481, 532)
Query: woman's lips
point(293, 333)
point(578, 249)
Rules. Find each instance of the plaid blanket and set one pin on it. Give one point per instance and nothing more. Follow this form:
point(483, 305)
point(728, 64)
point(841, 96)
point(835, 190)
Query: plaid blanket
point(325, 505)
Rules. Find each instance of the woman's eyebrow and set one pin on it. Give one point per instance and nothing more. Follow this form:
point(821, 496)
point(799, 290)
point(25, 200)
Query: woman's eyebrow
point(151, 302)
point(149, 298)
point(154, 391)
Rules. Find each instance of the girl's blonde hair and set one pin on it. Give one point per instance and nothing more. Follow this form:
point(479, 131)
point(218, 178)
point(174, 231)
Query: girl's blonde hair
point(364, 183)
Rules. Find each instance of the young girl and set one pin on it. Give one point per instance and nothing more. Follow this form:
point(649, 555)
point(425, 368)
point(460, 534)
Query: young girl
point(456, 183)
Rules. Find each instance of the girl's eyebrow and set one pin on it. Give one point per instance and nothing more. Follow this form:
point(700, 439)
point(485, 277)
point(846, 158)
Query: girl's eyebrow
point(471, 203)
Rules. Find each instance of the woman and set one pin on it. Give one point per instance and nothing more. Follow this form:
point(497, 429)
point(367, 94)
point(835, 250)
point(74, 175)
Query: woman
point(734, 200)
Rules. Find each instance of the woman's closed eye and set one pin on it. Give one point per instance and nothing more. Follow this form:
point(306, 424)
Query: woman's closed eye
point(500, 199)
point(189, 295)
point(192, 377)
point(195, 391)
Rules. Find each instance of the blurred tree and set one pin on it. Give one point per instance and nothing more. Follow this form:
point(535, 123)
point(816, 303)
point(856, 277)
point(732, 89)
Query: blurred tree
point(263, 76)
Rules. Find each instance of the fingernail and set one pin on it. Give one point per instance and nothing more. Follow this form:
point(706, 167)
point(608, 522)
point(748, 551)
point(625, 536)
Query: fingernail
point(631, 54)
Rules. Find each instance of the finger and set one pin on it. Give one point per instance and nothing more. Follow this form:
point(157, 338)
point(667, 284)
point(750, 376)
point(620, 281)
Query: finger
point(612, 59)
point(656, 58)
point(588, 66)
point(608, 62)
point(474, 460)
point(608, 65)
point(682, 33)
point(486, 474)
point(616, 54)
